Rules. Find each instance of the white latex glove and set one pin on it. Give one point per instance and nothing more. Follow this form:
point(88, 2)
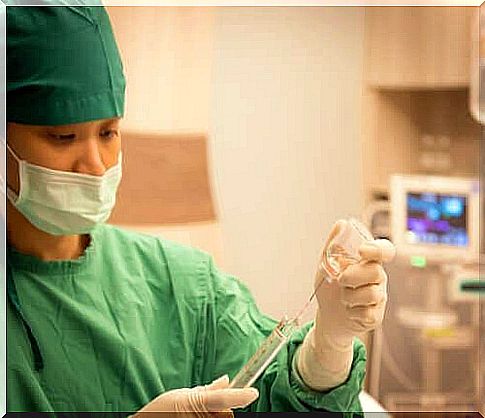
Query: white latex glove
point(347, 307)
point(200, 401)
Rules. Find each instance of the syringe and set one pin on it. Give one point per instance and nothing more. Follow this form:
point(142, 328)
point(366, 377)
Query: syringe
point(265, 354)
point(270, 347)
point(341, 251)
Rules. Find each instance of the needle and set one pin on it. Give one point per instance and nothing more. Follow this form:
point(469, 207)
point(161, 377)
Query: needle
point(324, 277)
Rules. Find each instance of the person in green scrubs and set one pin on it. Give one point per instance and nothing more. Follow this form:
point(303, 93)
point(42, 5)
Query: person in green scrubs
point(102, 319)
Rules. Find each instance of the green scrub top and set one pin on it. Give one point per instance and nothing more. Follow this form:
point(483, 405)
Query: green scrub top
point(136, 316)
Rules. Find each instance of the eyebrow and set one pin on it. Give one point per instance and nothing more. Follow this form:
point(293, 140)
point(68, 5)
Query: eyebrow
point(117, 119)
point(73, 127)
point(110, 122)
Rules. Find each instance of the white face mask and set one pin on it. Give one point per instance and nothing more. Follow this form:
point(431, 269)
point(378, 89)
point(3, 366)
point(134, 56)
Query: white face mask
point(62, 202)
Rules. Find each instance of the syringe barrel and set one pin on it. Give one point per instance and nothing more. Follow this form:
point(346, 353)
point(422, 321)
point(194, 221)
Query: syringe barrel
point(265, 354)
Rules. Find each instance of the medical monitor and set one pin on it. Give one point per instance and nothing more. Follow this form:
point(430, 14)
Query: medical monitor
point(435, 218)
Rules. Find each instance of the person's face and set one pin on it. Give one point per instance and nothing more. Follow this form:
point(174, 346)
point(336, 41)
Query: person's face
point(85, 148)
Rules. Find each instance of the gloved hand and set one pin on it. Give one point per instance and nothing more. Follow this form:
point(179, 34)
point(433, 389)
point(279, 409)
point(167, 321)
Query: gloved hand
point(200, 401)
point(347, 307)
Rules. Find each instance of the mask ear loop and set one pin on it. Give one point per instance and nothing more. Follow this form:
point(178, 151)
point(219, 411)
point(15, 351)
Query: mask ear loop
point(14, 155)
point(11, 194)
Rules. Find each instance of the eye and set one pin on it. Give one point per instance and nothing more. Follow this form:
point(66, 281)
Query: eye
point(109, 133)
point(62, 137)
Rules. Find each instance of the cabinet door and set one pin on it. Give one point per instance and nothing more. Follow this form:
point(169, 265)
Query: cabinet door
point(418, 47)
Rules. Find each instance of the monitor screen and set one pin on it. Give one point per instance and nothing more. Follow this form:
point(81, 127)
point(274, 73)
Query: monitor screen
point(437, 219)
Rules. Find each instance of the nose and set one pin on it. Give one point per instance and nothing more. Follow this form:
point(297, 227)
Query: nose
point(90, 160)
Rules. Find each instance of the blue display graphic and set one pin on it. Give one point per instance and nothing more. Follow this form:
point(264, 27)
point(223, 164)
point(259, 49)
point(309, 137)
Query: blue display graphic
point(434, 218)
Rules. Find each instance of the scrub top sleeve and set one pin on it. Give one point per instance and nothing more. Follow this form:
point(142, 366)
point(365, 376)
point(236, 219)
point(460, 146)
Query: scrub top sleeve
point(240, 327)
point(344, 397)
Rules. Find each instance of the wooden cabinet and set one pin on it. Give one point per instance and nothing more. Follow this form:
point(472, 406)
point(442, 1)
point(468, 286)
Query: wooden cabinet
point(395, 122)
point(418, 47)
point(417, 73)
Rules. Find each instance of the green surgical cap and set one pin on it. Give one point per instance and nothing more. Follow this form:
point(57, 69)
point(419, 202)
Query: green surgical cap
point(63, 65)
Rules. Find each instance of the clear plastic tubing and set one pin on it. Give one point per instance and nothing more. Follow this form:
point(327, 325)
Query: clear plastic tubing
point(265, 354)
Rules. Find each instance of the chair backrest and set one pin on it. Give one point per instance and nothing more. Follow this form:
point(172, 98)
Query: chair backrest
point(166, 191)
point(165, 180)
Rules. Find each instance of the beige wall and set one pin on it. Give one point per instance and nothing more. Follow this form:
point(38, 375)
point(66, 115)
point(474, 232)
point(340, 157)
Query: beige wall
point(285, 132)
point(167, 58)
point(278, 90)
